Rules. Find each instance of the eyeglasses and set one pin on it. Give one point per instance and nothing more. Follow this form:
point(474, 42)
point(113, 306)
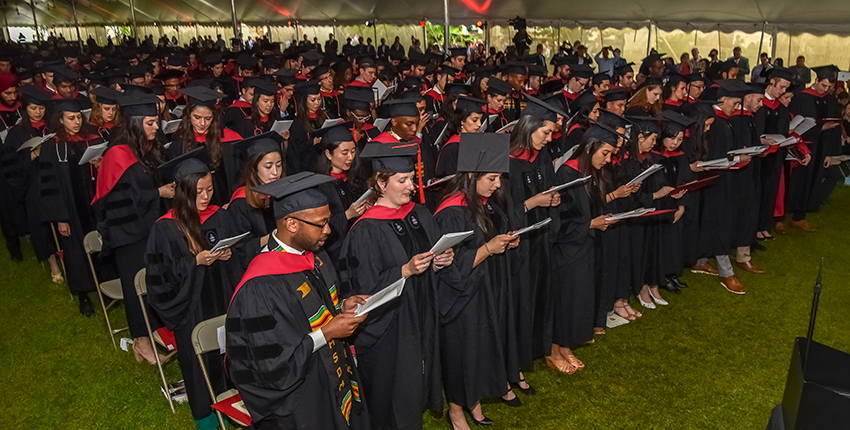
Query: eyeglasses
point(362, 118)
point(322, 225)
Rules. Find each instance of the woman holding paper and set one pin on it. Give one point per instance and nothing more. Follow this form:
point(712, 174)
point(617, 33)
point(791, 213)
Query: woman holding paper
point(264, 111)
point(128, 201)
point(202, 126)
point(397, 346)
point(465, 119)
point(24, 177)
point(251, 211)
point(476, 331)
point(647, 100)
point(66, 189)
point(336, 160)
point(301, 151)
point(574, 254)
point(105, 114)
point(186, 282)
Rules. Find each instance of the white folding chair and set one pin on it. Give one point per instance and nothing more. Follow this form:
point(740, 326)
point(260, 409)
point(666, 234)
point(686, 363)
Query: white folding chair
point(204, 340)
point(111, 288)
point(141, 292)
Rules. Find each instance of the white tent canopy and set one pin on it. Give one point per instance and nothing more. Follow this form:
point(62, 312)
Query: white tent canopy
point(724, 15)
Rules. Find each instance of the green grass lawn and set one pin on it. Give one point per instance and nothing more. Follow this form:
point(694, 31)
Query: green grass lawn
point(710, 360)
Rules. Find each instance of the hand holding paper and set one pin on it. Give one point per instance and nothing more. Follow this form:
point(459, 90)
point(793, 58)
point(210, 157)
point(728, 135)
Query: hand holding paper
point(386, 295)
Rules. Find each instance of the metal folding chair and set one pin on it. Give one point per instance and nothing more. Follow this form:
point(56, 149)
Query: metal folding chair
point(141, 292)
point(111, 288)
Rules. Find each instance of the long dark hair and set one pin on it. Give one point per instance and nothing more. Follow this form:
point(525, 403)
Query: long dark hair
point(186, 212)
point(633, 146)
point(250, 179)
point(521, 137)
point(55, 123)
point(699, 137)
point(26, 122)
point(149, 153)
point(323, 164)
point(596, 187)
point(303, 114)
point(454, 124)
point(467, 184)
point(255, 115)
point(583, 116)
point(214, 134)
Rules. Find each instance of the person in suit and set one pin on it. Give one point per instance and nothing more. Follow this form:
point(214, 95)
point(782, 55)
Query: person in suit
point(742, 62)
point(331, 46)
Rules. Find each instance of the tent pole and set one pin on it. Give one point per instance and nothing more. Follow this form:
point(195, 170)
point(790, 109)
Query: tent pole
point(719, 47)
point(487, 37)
point(6, 22)
point(648, 37)
point(133, 17)
point(761, 40)
point(77, 23)
point(773, 44)
point(559, 33)
point(790, 39)
point(35, 20)
point(446, 32)
point(375, 28)
point(233, 18)
point(424, 39)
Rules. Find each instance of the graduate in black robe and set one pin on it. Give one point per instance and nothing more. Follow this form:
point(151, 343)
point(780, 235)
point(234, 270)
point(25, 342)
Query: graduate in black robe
point(128, 200)
point(531, 173)
point(66, 190)
point(105, 113)
point(258, 160)
point(397, 347)
point(338, 158)
point(13, 216)
point(574, 254)
point(466, 118)
point(824, 141)
point(471, 335)
point(264, 112)
point(188, 284)
point(301, 149)
point(201, 126)
point(20, 170)
point(287, 327)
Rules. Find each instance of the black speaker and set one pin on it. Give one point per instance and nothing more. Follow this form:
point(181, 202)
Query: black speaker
point(817, 395)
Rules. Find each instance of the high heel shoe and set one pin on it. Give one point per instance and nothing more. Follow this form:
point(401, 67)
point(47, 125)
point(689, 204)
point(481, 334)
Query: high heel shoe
point(484, 422)
point(649, 305)
point(57, 278)
point(562, 366)
point(143, 355)
point(658, 300)
point(514, 403)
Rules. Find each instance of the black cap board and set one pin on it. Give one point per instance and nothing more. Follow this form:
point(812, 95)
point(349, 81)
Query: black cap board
point(401, 107)
point(484, 152)
point(295, 193)
point(445, 69)
point(359, 99)
point(393, 157)
point(238, 153)
point(677, 121)
point(470, 104)
point(625, 68)
point(67, 106)
point(264, 87)
point(139, 104)
point(457, 89)
point(194, 161)
point(542, 109)
point(616, 94)
point(35, 95)
point(202, 96)
point(826, 72)
point(336, 134)
point(457, 52)
point(498, 87)
point(307, 88)
point(582, 71)
point(62, 73)
point(646, 124)
point(733, 88)
point(105, 96)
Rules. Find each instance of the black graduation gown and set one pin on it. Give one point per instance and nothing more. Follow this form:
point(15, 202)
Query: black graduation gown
point(246, 127)
point(573, 265)
point(246, 218)
point(675, 171)
point(500, 121)
point(717, 221)
point(447, 158)
point(747, 180)
point(184, 293)
point(126, 211)
point(806, 180)
point(609, 251)
point(564, 143)
point(470, 340)
point(236, 113)
point(635, 259)
point(24, 180)
point(224, 181)
point(534, 309)
point(340, 198)
point(66, 190)
point(9, 117)
point(397, 346)
point(285, 385)
point(331, 103)
point(300, 151)
point(13, 216)
point(691, 218)
point(772, 118)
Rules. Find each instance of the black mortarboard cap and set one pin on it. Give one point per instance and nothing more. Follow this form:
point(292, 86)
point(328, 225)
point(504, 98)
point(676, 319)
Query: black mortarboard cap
point(194, 161)
point(677, 121)
point(514, 67)
point(581, 71)
point(470, 104)
point(396, 54)
point(733, 88)
point(359, 99)
point(237, 153)
point(285, 76)
point(62, 73)
point(398, 108)
point(611, 119)
point(445, 69)
point(295, 193)
point(418, 59)
point(551, 85)
point(311, 58)
point(782, 73)
point(307, 88)
point(537, 70)
point(603, 133)
point(105, 96)
point(67, 106)
point(394, 157)
point(826, 72)
point(598, 78)
point(139, 104)
point(564, 60)
point(457, 89)
point(542, 109)
point(213, 59)
point(484, 152)
point(246, 61)
point(338, 133)
point(646, 124)
point(36, 95)
point(625, 68)
point(498, 87)
point(264, 87)
point(457, 52)
point(412, 95)
point(615, 94)
point(651, 58)
point(170, 74)
point(726, 66)
point(202, 96)
point(136, 72)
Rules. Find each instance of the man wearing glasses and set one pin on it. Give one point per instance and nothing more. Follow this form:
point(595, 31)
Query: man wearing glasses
point(286, 327)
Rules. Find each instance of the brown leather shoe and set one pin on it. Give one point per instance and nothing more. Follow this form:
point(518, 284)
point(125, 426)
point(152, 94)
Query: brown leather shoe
point(802, 225)
point(780, 228)
point(750, 267)
point(705, 269)
point(733, 285)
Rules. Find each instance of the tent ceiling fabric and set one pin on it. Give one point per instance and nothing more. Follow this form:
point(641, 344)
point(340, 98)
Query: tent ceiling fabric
point(685, 15)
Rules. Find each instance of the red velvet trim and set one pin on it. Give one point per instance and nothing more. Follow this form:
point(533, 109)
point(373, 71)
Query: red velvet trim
point(276, 263)
point(115, 162)
point(529, 156)
point(387, 213)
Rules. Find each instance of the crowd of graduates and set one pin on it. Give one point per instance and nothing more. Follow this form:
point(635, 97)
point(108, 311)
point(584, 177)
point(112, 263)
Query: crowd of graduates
point(343, 171)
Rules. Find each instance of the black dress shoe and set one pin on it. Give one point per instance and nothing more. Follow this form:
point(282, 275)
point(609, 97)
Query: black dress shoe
point(679, 283)
point(485, 422)
point(670, 286)
point(514, 403)
point(530, 391)
point(16, 254)
point(86, 307)
point(758, 247)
